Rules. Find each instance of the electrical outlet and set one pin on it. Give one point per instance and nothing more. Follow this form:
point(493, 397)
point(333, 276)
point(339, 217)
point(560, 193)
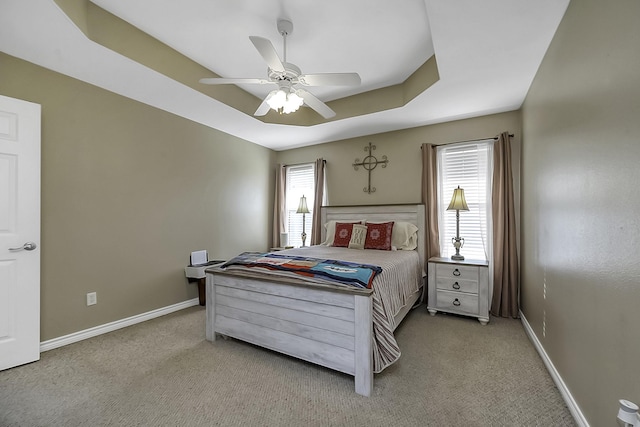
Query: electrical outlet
point(92, 298)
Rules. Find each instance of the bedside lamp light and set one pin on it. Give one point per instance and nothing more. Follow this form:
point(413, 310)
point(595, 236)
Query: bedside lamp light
point(458, 203)
point(303, 209)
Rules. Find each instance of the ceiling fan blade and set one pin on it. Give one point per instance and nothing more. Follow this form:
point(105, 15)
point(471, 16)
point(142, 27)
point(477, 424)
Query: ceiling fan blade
point(330, 79)
point(263, 108)
point(223, 81)
point(313, 102)
point(268, 53)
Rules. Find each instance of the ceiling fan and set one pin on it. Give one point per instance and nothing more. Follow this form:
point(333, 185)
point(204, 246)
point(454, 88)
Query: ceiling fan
point(288, 77)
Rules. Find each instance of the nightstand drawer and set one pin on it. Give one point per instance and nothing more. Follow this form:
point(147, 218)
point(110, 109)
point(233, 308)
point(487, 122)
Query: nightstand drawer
point(457, 302)
point(457, 285)
point(457, 272)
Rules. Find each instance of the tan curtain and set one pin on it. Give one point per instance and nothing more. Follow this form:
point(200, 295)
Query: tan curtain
point(316, 225)
point(430, 200)
point(279, 205)
point(505, 255)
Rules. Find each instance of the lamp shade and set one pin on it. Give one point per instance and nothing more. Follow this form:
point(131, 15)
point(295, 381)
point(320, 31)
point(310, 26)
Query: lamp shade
point(458, 203)
point(302, 207)
point(628, 413)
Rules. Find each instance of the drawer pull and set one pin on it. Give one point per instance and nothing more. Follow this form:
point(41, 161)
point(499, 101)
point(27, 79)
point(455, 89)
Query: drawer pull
point(456, 272)
point(456, 286)
point(456, 302)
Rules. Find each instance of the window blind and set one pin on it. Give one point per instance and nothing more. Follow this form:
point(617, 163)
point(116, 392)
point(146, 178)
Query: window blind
point(300, 181)
point(469, 166)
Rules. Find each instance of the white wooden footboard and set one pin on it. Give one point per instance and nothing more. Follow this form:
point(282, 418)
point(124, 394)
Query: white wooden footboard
point(327, 326)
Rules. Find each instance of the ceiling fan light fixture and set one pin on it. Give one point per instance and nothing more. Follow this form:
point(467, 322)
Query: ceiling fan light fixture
point(276, 99)
point(293, 103)
point(284, 102)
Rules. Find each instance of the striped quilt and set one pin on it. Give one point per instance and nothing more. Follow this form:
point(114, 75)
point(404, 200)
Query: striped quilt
point(330, 270)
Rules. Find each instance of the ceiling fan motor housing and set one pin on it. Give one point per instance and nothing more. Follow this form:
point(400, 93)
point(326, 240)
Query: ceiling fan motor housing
point(291, 73)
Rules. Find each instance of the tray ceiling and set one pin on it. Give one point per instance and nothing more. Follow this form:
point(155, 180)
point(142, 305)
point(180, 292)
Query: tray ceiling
point(421, 61)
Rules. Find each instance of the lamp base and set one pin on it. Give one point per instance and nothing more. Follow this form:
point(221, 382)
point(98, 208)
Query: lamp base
point(458, 242)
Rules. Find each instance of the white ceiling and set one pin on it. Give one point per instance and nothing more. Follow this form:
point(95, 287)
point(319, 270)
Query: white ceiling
point(487, 53)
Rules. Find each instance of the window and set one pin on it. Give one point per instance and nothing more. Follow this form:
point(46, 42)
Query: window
point(300, 182)
point(469, 166)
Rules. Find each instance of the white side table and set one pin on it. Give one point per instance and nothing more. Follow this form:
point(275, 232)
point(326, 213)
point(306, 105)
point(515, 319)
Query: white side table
point(460, 287)
point(196, 273)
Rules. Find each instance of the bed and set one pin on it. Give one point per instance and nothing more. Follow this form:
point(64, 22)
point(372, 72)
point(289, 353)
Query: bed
point(345, 328)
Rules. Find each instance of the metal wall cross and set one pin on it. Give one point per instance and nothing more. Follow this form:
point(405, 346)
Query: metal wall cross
point(369, 163)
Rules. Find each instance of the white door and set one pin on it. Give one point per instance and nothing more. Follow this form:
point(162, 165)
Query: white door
point(19, 232)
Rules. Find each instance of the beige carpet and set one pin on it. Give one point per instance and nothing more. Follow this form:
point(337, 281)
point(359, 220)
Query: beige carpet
point(453, 371)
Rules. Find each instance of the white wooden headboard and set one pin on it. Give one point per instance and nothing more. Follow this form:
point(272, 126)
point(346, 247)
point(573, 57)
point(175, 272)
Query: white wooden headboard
point(414, 214)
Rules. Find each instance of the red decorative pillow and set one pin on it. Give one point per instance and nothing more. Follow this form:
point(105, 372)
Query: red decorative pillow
point(343, 234)
point(379, 236)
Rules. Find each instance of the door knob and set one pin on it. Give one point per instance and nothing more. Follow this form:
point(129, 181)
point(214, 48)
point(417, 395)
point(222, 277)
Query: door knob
point(29, 246)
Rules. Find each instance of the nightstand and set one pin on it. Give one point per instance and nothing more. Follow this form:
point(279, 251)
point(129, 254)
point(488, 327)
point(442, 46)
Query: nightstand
point(195, 273)
point(459, 287)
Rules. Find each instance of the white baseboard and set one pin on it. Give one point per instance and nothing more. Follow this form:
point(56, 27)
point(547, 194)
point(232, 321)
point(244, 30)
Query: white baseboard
point(564, 391)
point(112, 326)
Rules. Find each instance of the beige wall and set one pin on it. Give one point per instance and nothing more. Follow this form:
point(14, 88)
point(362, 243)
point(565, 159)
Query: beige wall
point(581, 204)
point(400, 181)
point(128, 191)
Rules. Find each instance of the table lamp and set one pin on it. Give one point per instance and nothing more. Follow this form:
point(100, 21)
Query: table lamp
point(303, 209)
point(458, 203)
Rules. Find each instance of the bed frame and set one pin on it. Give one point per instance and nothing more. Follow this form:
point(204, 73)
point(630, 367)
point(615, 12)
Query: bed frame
point(260, 310)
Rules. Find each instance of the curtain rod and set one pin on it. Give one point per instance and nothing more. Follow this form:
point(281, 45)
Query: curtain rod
point(303, 163)
point(495, 138)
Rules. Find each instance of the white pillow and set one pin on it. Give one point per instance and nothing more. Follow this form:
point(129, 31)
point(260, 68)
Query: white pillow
point(331, 230)
point(404, 236)
point(412, 244)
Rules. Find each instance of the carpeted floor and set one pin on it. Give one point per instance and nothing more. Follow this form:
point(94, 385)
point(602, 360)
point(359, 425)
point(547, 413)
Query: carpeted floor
point(163, 372)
